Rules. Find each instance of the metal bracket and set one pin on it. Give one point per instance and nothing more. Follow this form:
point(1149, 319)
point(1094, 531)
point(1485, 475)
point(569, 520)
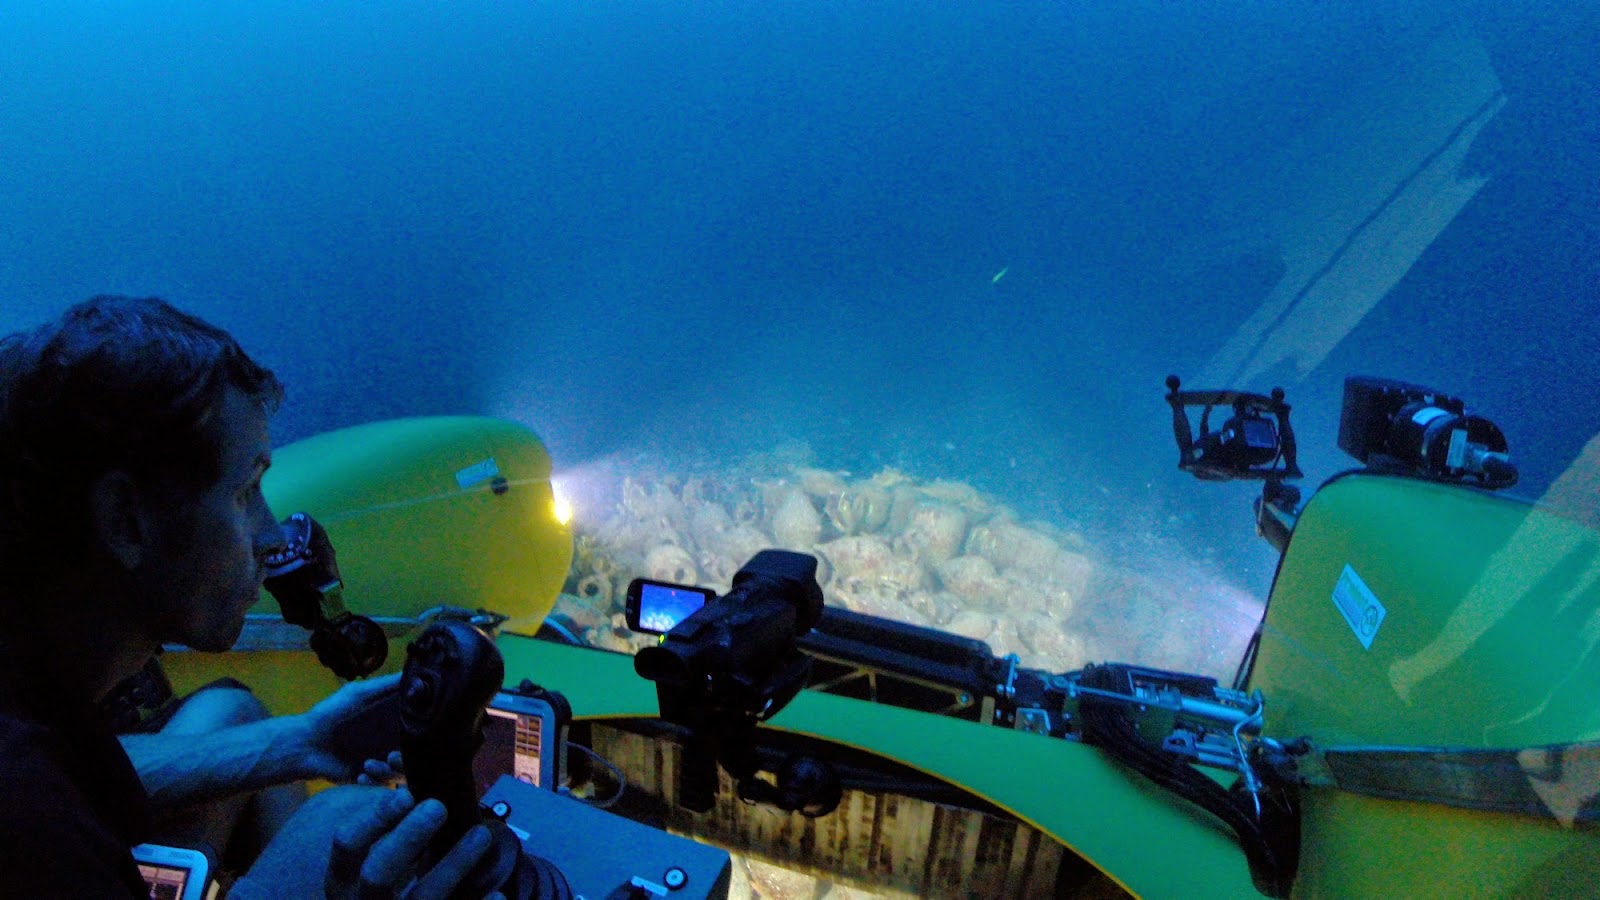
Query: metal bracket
point(1033, 721)
point(266, 632)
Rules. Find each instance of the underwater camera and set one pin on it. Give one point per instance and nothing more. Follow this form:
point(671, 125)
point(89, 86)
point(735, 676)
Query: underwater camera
point(1390, 426)
point(304, 578)
point(1394, 426)
point(732, 653)
point(1255, 442)
point(727, 663)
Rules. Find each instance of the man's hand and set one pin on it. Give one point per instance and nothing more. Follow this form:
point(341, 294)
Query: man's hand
point(361, 842)
point(387, 772)
point(376, 855)
point(358, 722)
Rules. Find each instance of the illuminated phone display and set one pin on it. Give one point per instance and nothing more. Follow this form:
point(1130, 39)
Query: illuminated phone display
point(166, 882)
point(172, 873)
point(657, 607)
point(527, 747)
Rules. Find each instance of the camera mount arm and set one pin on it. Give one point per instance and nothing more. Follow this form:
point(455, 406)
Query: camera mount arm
point(304, 578)
point(1250, 445)
point(1247, 446)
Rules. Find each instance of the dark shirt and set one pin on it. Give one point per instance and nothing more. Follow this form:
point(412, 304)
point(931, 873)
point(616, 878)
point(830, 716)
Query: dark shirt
point(71, 804)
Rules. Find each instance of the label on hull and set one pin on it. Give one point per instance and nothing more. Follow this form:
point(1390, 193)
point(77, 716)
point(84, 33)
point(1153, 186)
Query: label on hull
point(1361, 608)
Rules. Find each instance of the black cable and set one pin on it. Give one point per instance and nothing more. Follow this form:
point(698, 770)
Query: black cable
point(1269, 833)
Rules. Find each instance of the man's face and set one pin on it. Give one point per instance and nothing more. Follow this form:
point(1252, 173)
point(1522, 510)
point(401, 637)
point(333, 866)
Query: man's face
point(205, 567)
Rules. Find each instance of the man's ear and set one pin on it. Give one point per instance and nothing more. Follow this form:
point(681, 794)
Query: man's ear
point(116, 519)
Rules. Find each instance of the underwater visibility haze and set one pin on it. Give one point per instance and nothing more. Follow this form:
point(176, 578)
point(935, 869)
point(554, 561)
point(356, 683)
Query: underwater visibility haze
point(767, 256)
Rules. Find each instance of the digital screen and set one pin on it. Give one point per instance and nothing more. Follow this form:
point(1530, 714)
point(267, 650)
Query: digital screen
point(661, 608)
point(166, 882)
point(512, 745)
point(1260, 433)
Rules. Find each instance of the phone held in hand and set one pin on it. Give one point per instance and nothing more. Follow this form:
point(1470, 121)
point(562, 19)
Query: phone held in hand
point(174, 873)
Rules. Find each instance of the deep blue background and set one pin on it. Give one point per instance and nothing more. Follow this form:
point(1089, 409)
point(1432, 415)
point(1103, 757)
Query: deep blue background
point(698, 230)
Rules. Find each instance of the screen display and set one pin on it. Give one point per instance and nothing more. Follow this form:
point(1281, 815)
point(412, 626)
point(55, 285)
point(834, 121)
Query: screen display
point(166, 882)
point(661, 608)
point(512, 744)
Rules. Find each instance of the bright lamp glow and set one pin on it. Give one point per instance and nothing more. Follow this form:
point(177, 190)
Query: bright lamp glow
point(563, 509)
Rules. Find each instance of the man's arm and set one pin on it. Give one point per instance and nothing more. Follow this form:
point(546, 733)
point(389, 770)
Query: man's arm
point(331, 740)
point(180, 769)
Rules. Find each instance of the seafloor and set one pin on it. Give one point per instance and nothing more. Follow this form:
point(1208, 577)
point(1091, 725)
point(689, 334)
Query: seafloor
point(930, 552)
point(937, 553)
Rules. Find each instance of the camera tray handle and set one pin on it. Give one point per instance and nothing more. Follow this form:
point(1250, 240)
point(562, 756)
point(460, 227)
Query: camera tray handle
point(1190, 459)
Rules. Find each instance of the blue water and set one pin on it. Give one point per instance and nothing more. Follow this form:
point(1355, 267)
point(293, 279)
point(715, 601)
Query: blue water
point(692, 230)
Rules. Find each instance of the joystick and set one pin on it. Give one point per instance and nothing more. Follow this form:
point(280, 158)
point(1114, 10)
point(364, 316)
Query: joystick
point(452, 671)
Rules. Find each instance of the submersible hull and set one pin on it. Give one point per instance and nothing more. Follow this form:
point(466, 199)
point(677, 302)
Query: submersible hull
point(1405, 614)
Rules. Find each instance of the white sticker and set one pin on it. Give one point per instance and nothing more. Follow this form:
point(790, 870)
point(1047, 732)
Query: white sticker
point(1456, 456)
point(1359, 606)
point(477, 474)
point(1427, 414)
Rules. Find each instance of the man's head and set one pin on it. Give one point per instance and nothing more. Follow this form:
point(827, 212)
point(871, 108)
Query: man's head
point(132, 441)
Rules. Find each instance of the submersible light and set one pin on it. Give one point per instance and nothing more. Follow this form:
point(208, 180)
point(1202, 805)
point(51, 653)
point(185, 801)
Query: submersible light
point(561, 507)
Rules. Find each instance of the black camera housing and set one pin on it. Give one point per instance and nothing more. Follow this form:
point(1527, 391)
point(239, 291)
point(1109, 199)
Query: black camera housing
point(732, 664)
point(1255, 442)
point(304, 579)
point(1395, 426)
point(726, 652)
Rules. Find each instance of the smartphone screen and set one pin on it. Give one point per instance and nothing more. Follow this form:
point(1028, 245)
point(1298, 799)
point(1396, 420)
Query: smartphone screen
point(657, 607)
point(172, 873)
point(166, 882)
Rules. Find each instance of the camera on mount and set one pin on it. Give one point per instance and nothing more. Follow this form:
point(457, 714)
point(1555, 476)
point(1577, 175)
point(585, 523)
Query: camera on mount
point(1390, 426)
point(1255, 442)
point(304, 578)
point(1399, 427)
point(726, 664)
point(735, 654)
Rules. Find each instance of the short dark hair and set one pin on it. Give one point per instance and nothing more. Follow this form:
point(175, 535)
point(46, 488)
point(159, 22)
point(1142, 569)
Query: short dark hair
point(114, 383)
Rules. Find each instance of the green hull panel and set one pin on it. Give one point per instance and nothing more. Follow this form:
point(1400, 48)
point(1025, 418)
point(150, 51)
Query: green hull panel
point(1152, 844)
point(1487, 639)
point(1149, 842)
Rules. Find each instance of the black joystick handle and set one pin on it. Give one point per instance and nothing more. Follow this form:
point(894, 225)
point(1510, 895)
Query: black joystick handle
point(452, 672)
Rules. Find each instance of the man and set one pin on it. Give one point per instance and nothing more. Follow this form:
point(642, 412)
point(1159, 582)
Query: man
point(133, 439)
